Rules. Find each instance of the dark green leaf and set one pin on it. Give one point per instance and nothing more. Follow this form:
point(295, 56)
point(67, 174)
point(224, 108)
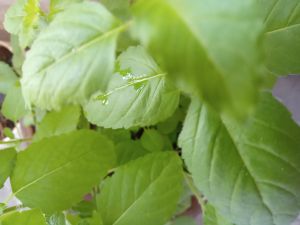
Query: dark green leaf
point(152, 140)
point(129, 150)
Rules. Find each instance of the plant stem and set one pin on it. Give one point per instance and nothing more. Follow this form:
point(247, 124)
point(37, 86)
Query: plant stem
point(195, 190)
point(13, 141)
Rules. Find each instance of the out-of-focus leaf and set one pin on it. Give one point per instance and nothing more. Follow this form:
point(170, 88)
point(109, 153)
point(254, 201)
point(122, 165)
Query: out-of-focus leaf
point(24, 19)
point(30, 217)
point(213, 46)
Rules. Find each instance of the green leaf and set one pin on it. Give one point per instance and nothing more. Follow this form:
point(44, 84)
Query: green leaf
point(185, 201)
point(133, 195)
point(72, 58)
point(13, 106)
point(152, 140)
point(56, 219)
point(18, 54)
point(56, 123)
point(23, 19)
point(60, 5)
point(7, 78)
point(248, 171)
point(184, 220)
point(212, 217)
point(129, 150)
point(207, 45)
point(117, 135)
point(8, 133)
point(138, 95)
point(7, 162)
point(30, 217)
point(282, 19)
point(120, 8)
point(85, 208)
point(56, 172)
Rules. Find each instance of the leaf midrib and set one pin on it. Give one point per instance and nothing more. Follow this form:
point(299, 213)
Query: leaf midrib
point(141, 195)
point(85, 45)
point(50, 173)
point(235, 143)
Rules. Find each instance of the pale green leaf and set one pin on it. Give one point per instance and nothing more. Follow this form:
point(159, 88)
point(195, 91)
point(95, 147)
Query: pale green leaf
point(59, 5)
point(138, 95)
point(212, 46)
point(212, 217)
point(282, 19)
point(13, 106)
point(23, 19)
point(72, 58)
point(18, 54)
point(7, 78)
point(152, 140)
point(29, 217)
point(184, 220)
point(144, 191)
point(7, 161)
point(56, 172)
point(248, 171)
point(56, 123)
point(56, 219)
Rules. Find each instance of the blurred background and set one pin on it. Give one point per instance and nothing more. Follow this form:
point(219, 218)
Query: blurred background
point(287, 90)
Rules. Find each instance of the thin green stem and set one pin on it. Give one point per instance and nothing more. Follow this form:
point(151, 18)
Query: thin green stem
point(13, 208)
point(195, 190)
point(130, 83)
point(15, 141)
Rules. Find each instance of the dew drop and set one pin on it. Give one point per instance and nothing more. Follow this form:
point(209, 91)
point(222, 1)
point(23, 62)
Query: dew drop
point(103, 98)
